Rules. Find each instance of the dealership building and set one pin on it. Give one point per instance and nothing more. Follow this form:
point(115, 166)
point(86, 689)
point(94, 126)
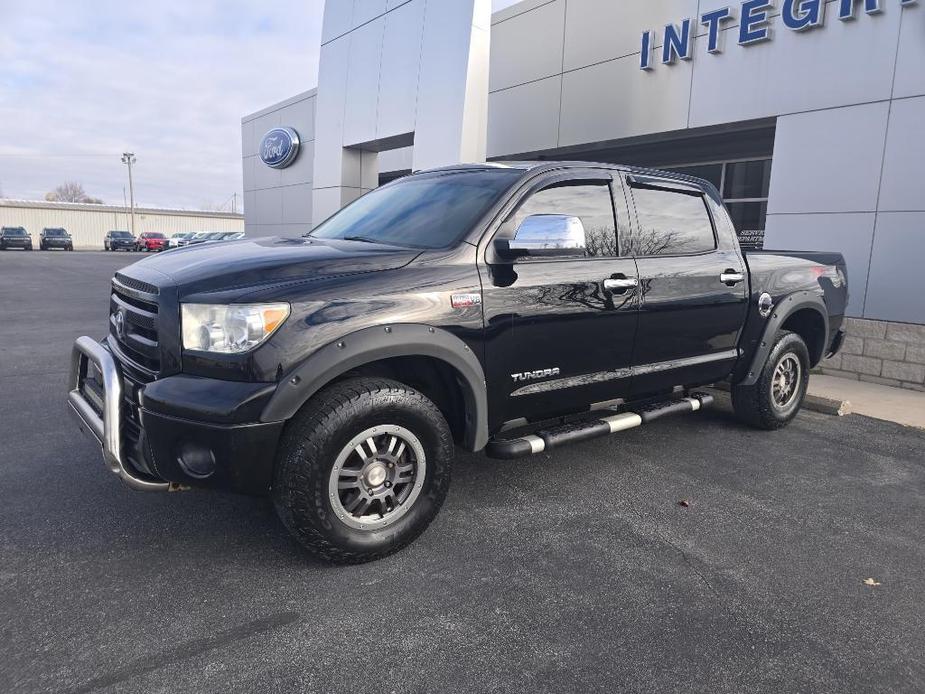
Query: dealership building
point(806, 114)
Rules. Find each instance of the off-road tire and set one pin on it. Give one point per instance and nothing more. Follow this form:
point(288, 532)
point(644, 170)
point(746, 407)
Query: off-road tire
point(318, 433)
point(754, 404)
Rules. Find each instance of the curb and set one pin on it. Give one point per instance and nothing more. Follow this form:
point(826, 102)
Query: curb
point(814, 403)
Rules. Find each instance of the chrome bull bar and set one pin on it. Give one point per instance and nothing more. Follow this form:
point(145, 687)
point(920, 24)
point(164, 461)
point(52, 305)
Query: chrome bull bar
point(106, 429)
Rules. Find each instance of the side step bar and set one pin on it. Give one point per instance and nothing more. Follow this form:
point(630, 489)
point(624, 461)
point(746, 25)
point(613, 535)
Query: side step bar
point(553, 437)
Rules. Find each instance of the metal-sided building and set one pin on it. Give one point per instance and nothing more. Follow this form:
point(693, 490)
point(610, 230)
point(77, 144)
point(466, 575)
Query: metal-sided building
point(88, 223)
point(806, 114)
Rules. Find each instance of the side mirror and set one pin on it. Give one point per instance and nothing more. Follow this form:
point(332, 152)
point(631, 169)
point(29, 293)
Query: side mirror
point(545, 235)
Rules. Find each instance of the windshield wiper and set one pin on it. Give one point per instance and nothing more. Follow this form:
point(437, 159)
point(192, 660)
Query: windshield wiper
point(364, 239)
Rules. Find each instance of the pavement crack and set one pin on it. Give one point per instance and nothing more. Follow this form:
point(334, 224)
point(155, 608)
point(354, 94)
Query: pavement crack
point(751, 664)
point(189, 649)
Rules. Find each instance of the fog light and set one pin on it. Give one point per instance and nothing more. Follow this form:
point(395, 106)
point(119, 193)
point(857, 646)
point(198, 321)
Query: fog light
point(196, 460)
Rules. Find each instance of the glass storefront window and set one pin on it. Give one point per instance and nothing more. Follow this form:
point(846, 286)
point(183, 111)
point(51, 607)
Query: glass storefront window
point(747, 179)
point(748, 215)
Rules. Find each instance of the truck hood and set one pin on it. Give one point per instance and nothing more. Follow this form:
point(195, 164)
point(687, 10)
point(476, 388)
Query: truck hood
point(254, 263)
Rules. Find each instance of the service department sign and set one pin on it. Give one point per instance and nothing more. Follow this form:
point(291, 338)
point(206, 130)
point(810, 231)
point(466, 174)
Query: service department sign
point(279, 147)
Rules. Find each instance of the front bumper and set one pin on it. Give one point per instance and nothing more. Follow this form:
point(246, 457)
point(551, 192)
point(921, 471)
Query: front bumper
point(180, 430)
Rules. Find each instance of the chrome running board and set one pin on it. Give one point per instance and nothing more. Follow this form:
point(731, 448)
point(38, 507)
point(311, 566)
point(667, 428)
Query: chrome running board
point(560, 435)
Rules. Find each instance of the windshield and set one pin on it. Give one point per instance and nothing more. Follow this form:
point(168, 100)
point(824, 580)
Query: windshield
point(423, 211)
point(55, 232)
point(120, 235)
point(14, 232)
point(180, 235)
point(155, 235)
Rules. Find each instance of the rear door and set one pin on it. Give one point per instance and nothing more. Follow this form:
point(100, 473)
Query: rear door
point(693, 288)
point(561, 330)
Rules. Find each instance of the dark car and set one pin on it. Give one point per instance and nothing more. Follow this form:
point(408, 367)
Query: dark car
point(55, 238)
point(151, 241)
point(15, 237)
point(119, 241)
point(506, 308)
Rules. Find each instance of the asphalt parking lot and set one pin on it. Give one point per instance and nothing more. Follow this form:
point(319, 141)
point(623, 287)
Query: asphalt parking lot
point(572, 572)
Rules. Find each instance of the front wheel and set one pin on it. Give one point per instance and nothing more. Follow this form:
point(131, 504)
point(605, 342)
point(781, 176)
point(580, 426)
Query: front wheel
point(776, 397)
point(362, 469)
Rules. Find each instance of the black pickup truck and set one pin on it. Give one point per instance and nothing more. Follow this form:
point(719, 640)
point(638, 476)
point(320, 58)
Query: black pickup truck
point(512, 308)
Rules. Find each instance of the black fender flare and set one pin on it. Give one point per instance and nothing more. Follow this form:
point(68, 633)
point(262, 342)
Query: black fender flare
point(383, 342)
point(783, 309)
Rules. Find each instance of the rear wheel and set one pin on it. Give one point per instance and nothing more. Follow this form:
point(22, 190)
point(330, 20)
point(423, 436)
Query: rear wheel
point(362, 469)
point(776, 397)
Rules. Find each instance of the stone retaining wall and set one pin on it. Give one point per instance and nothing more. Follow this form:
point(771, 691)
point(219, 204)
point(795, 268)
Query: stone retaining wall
point(891, 354)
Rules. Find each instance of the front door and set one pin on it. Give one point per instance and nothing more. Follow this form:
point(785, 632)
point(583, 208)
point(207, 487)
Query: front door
point(692, 289)
point(561, 329)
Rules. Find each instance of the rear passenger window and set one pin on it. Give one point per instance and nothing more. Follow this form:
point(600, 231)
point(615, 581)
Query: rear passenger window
point(590, 201)
point(670, 223)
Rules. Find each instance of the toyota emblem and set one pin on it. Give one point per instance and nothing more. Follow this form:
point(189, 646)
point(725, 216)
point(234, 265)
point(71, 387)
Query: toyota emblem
point(119, 320)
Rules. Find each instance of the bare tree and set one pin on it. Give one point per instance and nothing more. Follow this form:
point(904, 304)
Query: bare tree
point(70, 191)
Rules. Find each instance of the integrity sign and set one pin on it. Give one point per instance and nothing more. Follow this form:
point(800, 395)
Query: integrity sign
point(754, 25)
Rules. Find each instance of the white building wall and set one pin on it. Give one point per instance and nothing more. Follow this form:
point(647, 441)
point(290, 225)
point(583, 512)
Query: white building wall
point(278, 202)
point(88, 224)
point(394, 73)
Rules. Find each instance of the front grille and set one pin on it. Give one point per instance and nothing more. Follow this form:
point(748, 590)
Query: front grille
point(137, 285)
point(133, 324)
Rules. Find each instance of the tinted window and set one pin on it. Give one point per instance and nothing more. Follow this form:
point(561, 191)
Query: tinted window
point(589, 201)
point(670, 223)
point(155, 235)
point(425, 211)
point(55, 232)
point(120, 235)
point(14, 232)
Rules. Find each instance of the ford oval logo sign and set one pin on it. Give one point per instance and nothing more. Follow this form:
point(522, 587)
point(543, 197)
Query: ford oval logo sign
point(279, 147)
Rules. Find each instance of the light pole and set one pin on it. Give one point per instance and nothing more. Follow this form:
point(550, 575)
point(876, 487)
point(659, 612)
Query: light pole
point(129, 159)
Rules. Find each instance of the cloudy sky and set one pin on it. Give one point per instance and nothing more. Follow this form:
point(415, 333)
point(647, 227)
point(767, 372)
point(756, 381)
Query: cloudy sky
point(82, 82)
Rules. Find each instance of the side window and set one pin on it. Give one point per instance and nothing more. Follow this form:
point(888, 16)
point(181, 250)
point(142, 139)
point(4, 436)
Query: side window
point(588, 200)
point(670, 223)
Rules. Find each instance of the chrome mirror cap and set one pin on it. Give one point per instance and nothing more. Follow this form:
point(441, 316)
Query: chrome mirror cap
point(547, 235)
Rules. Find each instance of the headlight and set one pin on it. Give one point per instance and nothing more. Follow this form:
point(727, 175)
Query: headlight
point(229, 329)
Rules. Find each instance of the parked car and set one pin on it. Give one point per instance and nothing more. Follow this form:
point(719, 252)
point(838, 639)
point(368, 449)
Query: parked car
point(179, 239)
point(118, 240)
point(15, 237)
point(511, 309)
point(199, 237)
point(206, 237)
point(232, 236)
point(55, 238)
point(151, 241)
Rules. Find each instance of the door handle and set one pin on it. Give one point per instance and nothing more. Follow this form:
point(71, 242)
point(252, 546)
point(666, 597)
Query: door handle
point(731, 277)
point(613, 284)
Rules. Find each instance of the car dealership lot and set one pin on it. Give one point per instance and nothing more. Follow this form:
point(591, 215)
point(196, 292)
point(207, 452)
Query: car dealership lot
point(576, 571)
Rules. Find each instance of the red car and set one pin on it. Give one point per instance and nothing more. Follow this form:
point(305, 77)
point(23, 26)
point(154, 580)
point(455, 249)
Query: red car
point(151, 241)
